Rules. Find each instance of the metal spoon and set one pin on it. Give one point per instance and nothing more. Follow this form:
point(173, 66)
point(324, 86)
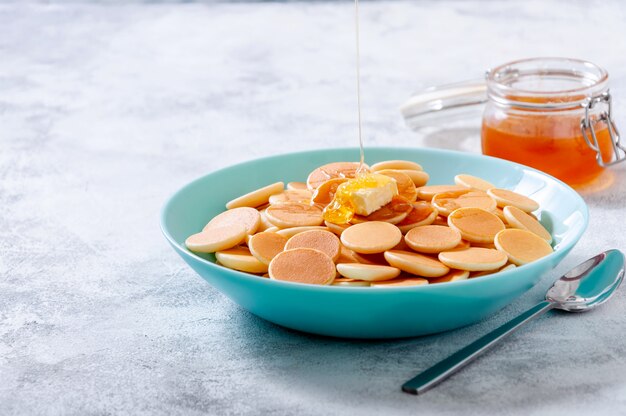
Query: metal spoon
point(586, 286)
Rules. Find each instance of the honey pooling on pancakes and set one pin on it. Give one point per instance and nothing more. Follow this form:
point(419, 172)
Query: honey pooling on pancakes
point(345, 203)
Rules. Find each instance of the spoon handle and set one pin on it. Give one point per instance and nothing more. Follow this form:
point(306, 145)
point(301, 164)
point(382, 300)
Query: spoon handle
point(445, 368)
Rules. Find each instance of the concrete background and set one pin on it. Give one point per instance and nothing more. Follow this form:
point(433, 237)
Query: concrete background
point(107, 108)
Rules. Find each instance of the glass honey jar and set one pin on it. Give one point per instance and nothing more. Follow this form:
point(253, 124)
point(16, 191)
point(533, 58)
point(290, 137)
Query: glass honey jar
point(553, 114)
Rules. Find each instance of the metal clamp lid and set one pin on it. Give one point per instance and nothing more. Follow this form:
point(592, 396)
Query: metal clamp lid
point(589, 134)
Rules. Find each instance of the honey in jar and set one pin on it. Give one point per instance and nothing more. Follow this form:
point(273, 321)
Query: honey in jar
point(539, 111)
point(555, 148)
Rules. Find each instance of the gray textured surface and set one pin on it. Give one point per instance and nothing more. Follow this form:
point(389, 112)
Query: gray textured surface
point(106, 109)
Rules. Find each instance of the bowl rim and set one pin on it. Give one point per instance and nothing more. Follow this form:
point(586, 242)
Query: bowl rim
point(364, 290)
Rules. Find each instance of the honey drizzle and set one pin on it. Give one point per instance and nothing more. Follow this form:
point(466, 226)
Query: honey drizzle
point(361, 169)
point(341, 209)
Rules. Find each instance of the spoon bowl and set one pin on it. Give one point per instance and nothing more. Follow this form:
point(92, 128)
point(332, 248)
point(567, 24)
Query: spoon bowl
point(589, 284)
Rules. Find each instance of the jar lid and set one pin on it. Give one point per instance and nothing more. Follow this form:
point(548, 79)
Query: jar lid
point(532, 83)
point(445, 97)
point(546, 83)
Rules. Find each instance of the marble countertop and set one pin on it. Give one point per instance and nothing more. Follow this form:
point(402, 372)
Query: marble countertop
point(106, 108)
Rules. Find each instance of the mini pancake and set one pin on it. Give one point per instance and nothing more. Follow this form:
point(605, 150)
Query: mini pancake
point(504, 197)
point(331, 171)
point(462, 245)
point(326, 191)
point(296, 186)
point(344, 281)
point(473, 182)
point(473, 259)
point(321, 240)
point(453, 276)
point(265, 246)
point(419, 177)
point(519, 219)
point(336, 228)
point(367, 272)
point(303, 265)
point(290, 232)
point(521, 246)
point(427, 192)
point(484, 245)
point(371, 237)
point(265, 223)
point(440, 220)
point(475, 225)
point(402, 245)
point(291, 196)
point(500, 214)
point(269, 230)
point(394, 212)
point(433, 238)
point(446, 202)
point(396, 165)
point(375, 258)
point(474, 275)
point(415, 263)
point(422, 213)
point(217, 238)
point(401, 281)
point(488, 272)
point(406, 187)
point(258, 197)
point(294, 214)
point(248, 217)
point(239, 258)
point(347, 256)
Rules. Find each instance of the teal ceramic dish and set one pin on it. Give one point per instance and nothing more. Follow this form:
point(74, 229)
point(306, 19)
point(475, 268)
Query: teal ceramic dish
point(373, 312)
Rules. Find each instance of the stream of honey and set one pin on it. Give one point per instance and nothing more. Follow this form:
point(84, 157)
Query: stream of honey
point(341, 209)
point(358, 83)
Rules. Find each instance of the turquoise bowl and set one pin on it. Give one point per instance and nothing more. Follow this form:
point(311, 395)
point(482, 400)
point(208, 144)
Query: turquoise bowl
point(373, 312)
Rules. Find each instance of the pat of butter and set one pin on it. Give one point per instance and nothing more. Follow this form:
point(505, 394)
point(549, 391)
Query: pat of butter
point(368, 200)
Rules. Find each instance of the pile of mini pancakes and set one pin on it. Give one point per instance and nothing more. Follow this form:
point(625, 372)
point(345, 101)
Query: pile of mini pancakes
point(426, 234)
